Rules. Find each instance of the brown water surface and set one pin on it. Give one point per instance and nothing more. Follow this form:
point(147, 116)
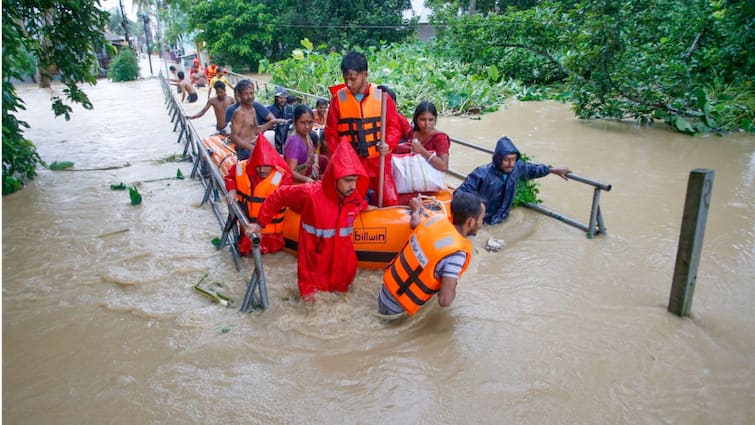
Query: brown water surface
point(100, 323)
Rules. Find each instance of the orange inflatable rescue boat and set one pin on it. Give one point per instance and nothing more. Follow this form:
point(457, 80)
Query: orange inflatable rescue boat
point(379, 233)
point(223, 155)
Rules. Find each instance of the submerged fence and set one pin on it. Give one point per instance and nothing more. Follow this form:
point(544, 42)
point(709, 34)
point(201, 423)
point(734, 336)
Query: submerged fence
point(228, 215)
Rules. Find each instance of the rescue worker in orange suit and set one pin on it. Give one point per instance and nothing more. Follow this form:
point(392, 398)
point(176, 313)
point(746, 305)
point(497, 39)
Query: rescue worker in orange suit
point(250, 182)
point(327, 260)
point(434, 259)
point(355, 112)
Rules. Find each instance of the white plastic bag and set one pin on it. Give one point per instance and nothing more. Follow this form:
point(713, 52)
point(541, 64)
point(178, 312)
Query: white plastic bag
point(412, 173)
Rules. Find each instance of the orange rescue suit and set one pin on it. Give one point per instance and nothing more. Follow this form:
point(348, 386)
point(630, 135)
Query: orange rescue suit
point(410, 277)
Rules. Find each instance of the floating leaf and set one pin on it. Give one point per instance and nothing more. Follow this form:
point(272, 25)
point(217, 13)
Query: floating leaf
point(119, 186)
point(179, 174)
point(61, 165)
point(216, 242)
point(136, 198)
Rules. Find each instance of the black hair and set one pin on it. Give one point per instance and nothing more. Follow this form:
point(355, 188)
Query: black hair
point(353, 61)
point(321, 101)
point(242, 85)
point(421, 109)
point(465, 205)
point(300, 110)
point(219, 85)
point(180, 75)
point(389, 90)
point(172, 68)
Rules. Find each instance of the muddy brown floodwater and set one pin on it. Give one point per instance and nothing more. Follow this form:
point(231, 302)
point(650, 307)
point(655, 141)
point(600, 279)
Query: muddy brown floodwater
point(101, 326)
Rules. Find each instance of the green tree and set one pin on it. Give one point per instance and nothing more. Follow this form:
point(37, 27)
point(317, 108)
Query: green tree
point(241, 34)
point(684, 62)
point(64, 34)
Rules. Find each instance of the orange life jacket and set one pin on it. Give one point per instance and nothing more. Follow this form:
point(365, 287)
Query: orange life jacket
point(252, 200)
point(360, 122)
point(410, 277)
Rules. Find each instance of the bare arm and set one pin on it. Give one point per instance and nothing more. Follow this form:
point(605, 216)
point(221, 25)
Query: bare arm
point(202, 112)
point(559, 171)
point(447, 291)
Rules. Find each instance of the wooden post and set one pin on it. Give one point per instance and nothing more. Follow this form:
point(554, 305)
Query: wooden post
point(696, 206)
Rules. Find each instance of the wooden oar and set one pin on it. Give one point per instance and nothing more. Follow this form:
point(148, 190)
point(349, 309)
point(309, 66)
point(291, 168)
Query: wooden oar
point(381, 180)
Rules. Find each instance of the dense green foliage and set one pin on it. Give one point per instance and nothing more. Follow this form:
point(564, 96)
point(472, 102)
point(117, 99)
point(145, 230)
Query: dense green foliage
point(687, 63)
point(240, 34)
point(124, 67)
point(61, 34)
point(414, 73)
point(411, 70)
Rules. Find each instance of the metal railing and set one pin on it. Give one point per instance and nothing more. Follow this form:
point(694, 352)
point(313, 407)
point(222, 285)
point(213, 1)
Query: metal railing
point(204, 169)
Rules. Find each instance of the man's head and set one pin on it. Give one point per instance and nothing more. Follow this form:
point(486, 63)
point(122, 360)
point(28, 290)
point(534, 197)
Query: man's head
point(180, 75)
point(281, 96)
point(346, 185)
point(468, 210)
point(244, 91)
point(505, 155)
point(321, 106)
point(354, 70)
point(219, 87)
point(263, 170)
point(172, 69)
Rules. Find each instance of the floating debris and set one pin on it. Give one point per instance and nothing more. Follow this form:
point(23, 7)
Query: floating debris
point(61, 165)
point(179, 174)
point(104, 235)
point(136, 198)
point(495, 245)
point(213, 292)
point(119, 186)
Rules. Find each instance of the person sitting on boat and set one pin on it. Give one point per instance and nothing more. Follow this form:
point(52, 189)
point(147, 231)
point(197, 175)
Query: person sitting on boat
point(321, 111)
point(424, 140)
point(355, 113)
point(327, 260)
point(220, 75)
point(279, 107)
point(219, 103)
point(497, 182)
point(262, 114)
point(434, 259)
point(300, 151)
point(244, 126)
point(250, 182)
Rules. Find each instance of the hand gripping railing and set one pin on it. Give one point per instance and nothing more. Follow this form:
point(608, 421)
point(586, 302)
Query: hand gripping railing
point(595, 226)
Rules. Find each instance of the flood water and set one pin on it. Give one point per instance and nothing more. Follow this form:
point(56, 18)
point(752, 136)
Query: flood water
point(101, 325)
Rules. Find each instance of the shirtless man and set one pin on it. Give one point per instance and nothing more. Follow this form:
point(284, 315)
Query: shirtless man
point(186, 87)
point(244, 126)
point(219, 103)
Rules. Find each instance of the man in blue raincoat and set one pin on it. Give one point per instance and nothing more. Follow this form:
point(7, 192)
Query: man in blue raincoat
point(496, 182)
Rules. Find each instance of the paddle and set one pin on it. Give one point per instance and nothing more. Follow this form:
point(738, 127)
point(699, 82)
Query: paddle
point(381, 179)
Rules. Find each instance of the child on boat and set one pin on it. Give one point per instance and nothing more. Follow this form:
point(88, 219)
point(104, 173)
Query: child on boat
point(250, 182)
point(300, 152)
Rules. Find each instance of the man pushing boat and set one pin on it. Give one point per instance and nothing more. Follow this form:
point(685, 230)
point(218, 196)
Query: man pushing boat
point(327, 260)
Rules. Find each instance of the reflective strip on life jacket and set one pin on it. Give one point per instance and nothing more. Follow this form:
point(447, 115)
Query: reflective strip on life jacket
point(360, 122)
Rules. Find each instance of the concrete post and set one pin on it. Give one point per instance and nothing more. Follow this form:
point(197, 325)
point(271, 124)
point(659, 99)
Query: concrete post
point(696, 206)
